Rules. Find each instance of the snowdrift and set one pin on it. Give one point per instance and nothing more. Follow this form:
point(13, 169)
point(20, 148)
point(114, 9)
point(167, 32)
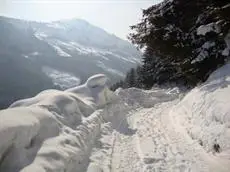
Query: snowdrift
point(54, 130)
point(205, 113)
point(146, 98)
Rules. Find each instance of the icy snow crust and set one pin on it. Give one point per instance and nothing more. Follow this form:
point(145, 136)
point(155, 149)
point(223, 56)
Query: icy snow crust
point(89, 128)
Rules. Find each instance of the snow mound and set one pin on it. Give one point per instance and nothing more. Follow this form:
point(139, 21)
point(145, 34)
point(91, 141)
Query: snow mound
point(95, 87)
point(96, 80)
point(53, 131)
point(205, 112)
point(70, 150)
point(147, 98)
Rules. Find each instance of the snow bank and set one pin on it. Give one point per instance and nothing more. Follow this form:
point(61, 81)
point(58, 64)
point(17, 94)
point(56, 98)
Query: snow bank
point(94, 88)
point(205, 112)
point(100, 159)
point(53, 130)
point(70, 150)
point(147, 98)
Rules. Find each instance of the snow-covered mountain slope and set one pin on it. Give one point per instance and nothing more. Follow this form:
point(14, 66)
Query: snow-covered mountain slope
point(61, 54)
point(71, 46)
point(62, 79)
point(88, 128)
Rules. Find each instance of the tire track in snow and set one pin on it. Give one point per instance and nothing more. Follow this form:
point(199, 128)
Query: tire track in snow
point(160, 147)
point(159, 144)
point(125, 157)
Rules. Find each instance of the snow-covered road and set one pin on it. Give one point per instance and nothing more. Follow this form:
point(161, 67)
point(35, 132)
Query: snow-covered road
point(154, 138)
point(154, 141)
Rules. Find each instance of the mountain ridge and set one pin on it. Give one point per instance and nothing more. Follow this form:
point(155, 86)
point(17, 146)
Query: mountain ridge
point(72, 50)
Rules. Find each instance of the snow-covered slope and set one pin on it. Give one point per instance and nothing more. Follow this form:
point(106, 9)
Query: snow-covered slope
point(204, 113)
point(89, 128)
point(69, 46)
point(62, 79)
point(60, 54)
point(78, 40)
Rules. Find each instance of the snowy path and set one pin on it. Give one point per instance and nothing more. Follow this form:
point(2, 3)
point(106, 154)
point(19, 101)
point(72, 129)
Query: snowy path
point(125, 157)
point(158, 143)
point(161, 147)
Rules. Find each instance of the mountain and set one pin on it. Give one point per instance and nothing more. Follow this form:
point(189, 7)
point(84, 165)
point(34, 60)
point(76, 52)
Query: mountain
point(61, 54)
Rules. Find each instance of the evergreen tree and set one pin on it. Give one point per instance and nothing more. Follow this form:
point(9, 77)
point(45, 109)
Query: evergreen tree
point(139, 77)
point(117, 85)
point(175, 51)
point(130, 79)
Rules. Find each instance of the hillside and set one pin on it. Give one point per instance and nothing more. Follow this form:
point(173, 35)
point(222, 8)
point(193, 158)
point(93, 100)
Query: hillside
point(59, 54)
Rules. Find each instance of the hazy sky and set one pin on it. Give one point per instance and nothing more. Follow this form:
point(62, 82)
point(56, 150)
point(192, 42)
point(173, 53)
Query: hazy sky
point(115, 16)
